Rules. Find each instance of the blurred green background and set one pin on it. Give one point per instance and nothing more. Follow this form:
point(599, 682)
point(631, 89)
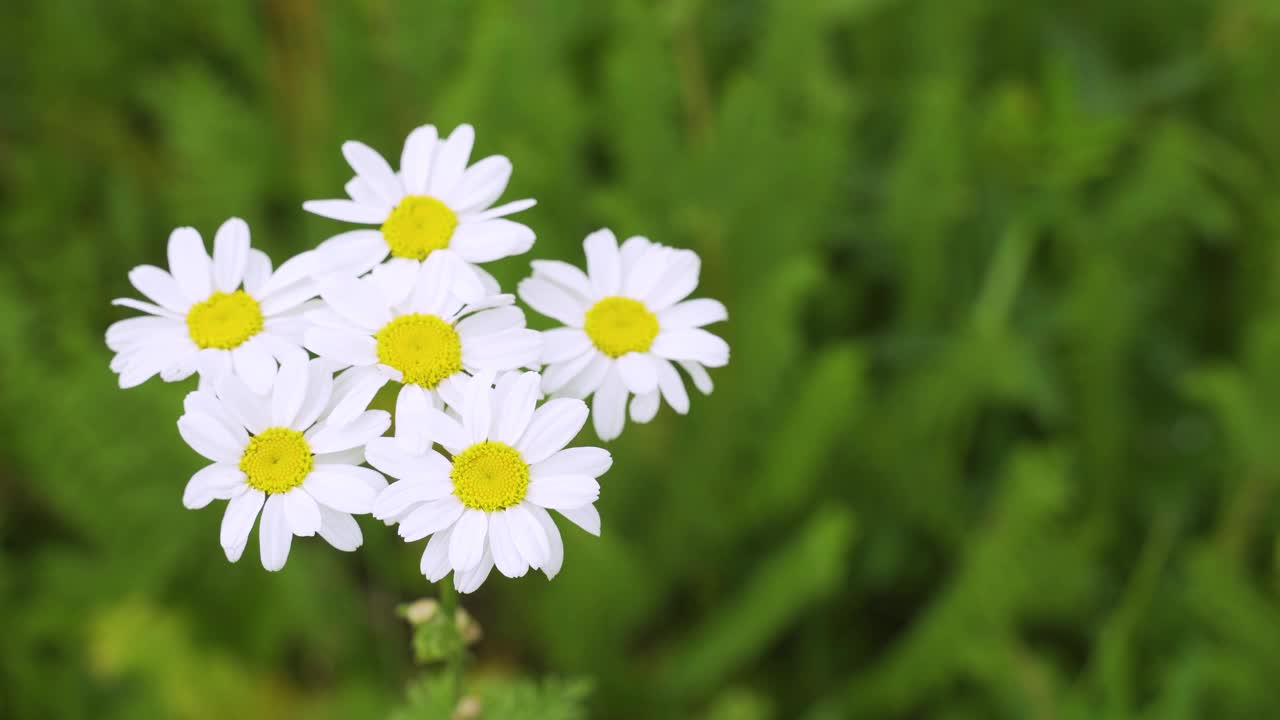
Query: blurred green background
point(999, 436)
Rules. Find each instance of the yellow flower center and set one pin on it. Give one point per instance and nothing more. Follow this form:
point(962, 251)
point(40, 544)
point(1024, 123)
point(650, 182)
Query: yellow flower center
point(417, 226)
point(424, 348)
point(619, 325)
point(277, 460)
point(490, 476)
point(224, 320)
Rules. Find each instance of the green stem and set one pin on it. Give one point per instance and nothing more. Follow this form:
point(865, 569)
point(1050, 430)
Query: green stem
point(456, 661)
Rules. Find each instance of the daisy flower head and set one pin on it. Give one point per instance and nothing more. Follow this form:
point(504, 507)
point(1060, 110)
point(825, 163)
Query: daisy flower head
point(436, 205)
point(414, 331)
point(229, 314)
point(627, 326)
point(486, 502)
point(279, 454)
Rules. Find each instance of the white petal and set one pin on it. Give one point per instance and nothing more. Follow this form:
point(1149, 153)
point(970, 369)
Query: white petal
point(467, 545)
point(632, 248)
point(517, 408)
point(342, 346)
point(340, 530)
point(692, 344)
point(471, 580)
point(529, 537)
point(680, 279)
point(698, 374)
point(358, 302)
point(159, 286)
point(347, 211)
point(326, 438)
point(508, 350)
point(603, 264)
point(210, 438)
point(274, 535)
point(506, 556)
point(362, 192)
point(412, 432)
point(230, 254)
point(147, 307)
point(435, 558)
point(638, 372)
point(585, 517)
point(399, 497)
point(646, 271)
point(552, 300)
point(481, 185)
point(351, 253)
point(341, 488)
point(490, 322)
point(575, 461)
point(432, 289)
point(556, 375)
point(563, 344)
point(489, 240)
point(394, 279)
point(644, 406)
point(238, 519)
point(302, 512)
point(289, 298)
point(415, 159)
point(373, 170)
point(190, 264)
point(288, 392)
point(672, 386)
point(692, 313)
point(450, 161)
point(213, 482)
point(291, 271)
point(351, 456)
point(466, 284)
point(563, 491)
point(564, 275)
point(257, 271)
point(552, 427)
point(555, 544)
point(590, 379)
point(445, 430)
point(242, 404)
point(431, 517)
point(609, 407)
point(255, 366)
point(477, 408)
point(356, 397)
point(316, 398)
point(503, 210)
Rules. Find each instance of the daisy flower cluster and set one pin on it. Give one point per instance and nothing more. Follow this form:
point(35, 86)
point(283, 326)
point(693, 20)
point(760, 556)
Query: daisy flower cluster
point(474, 456)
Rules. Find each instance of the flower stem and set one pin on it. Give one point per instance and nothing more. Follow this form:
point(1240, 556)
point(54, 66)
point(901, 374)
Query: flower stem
point(454, 664)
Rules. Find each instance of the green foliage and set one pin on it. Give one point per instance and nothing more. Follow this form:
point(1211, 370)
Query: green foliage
point(997, 439)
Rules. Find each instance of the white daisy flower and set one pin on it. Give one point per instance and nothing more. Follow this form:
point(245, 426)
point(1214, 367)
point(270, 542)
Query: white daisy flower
point(228, 314)
point(486, 504)
point(280, 455)
point(627, 324)
point(415, 332)
point(435, 205)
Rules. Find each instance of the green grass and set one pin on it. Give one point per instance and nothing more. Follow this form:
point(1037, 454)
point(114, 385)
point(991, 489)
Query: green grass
point(999, 435)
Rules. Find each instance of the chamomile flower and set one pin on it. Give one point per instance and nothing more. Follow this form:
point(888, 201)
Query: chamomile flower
point(417, 333)
point(486, 503)
point(627, 323)
point(435, 206)
point(278, 454)
point(229, 314)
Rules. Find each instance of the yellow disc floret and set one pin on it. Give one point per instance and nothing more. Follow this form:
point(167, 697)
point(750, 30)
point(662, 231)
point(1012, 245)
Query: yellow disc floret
point(277, 460)
point(490, 476)
point(619, 325)
point(424, 348)
point(225, 320)
point(419, 225)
